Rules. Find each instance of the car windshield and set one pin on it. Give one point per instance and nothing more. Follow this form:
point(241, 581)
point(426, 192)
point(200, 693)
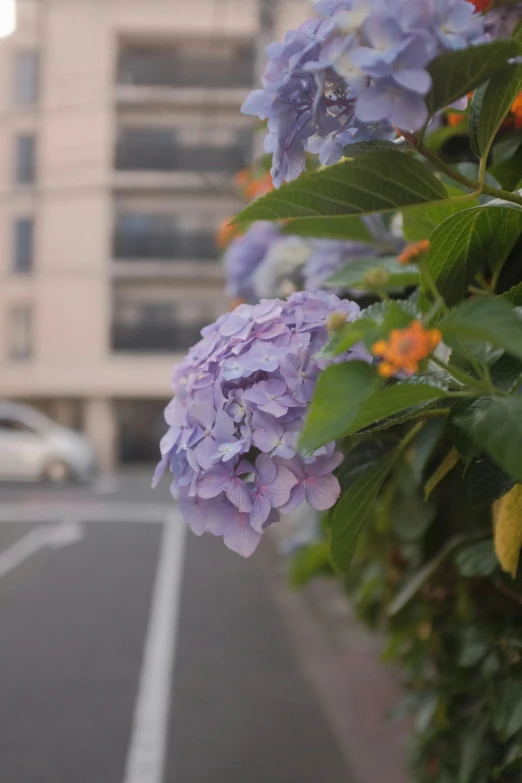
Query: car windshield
point(26, 419)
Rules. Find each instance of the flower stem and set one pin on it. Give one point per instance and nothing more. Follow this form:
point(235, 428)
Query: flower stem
point(477, 187)
point(461, 376)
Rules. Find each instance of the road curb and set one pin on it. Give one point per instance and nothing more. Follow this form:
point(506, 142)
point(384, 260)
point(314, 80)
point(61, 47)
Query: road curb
point(341, 660)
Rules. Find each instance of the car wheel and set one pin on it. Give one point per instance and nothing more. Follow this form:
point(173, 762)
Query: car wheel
point(57, 472)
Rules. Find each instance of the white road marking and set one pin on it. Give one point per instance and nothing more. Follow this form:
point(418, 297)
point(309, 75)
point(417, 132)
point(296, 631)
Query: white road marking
point(88, 511)
point(55, 537)
point(147, 750)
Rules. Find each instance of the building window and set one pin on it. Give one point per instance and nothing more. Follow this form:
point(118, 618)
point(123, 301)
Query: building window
point(188, 64)
point(23, 245)
point(25, 147)
point(20, 333)
point(26, 78)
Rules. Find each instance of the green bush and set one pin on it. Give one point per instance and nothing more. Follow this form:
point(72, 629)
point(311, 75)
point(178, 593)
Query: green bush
point(428, 454)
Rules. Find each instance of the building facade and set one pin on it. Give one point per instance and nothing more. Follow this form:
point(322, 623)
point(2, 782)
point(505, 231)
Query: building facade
point(120, 132)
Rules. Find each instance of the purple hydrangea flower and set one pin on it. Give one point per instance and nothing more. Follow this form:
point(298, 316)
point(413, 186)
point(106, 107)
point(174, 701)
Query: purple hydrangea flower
point(355, 74)
point(243, 256)
point(239, 406)
point(293, 263)
point(501, 22)
point(329, 257)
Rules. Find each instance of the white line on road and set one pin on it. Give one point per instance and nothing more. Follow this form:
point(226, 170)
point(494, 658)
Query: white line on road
point(55, 537)
point(87, 510)
point(147, 749)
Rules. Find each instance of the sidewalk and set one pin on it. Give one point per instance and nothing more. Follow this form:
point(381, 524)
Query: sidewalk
point(341, 659)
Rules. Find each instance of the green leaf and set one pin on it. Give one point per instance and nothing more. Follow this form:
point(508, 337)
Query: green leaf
point(391, 400)
point(485, 319)
point(506, 147)
point(446, 466)
point(486, 482)
point(473, 645)
point(374, 323)
point(341, 391)
point(358, 274)
point(413, 585)
point(474, 118)
point(362, 457)
point(496, 425)
point(376, 182)
point(310, 561)
point(497, 100)
point(476, 559)
point(359, 148)
point(507, 717)
point(349, 227)
point(514, 295)
point(472, 749)
point(411, 517)
point(353, 509)
point(466, 241)
point(508, 172)
point(456, 73)
point(420, 222)
point(505, 373)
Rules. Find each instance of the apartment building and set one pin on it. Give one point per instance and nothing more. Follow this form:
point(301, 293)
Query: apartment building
point(120, 132)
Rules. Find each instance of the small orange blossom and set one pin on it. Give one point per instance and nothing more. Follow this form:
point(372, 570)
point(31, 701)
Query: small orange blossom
point(516, 110)
point(405, 348)
point(258, 187)
point(414, 251)
point(226, 233)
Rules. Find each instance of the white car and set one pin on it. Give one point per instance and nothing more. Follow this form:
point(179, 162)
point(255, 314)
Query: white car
point(35, 448)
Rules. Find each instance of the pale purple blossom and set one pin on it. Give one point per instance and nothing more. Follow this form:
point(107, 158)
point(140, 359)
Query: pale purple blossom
point(238, 410)
point(501, 22)
point(292, 263)
point(355, 73)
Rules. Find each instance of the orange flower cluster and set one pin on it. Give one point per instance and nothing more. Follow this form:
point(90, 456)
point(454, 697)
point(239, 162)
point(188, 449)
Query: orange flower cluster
point(253, 186)
point(414, 251)
point(226, 232)
point(405, 348)
point(481, 5)
point(516, 111)
point(513, 120)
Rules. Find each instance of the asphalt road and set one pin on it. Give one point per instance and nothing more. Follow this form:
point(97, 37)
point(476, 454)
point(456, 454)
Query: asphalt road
point(133, 653)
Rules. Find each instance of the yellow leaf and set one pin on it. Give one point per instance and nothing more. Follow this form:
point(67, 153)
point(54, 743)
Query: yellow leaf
point(507, 519)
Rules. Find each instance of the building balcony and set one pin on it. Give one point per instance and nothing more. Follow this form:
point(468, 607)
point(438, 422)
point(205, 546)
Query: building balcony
point(183, 269)
point(170, 66)
point(134, 152)
point(154, 338)
point(165, 96)
point(163, 246)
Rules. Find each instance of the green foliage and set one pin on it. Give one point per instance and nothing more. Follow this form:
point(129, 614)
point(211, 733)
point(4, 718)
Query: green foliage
point(353, 510)
point(490, 106)
point(402, 398)
point(420, 222)
point(488, 320)
point(427, 456)
point(496, 425)
point(486, 482)
point(349, 227)
point(374, 323)
point(476, 559)
point(341, 391)
point(309, 561)
point(467, 243)
point(360, 275)
point(457, 73)
point(374, 182)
